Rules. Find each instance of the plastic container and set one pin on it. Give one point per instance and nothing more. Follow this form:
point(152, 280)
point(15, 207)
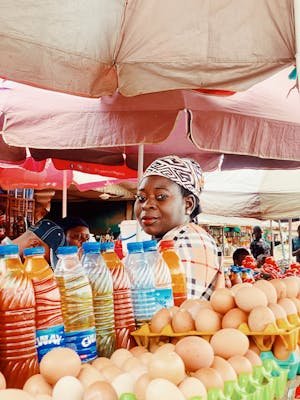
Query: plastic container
point(48, 314)
point(291, 364)
point(18, 354)
point(77, 304)
point(128, 233)
point(102, 287)
point(162, 276)
point(123, 308)
point(171, 258)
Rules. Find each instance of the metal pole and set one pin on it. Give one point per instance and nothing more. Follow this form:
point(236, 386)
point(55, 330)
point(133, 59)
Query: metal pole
point(272, 238)
point(140, 174)
point(290, 240)
point(281, 239)
point(64, 194)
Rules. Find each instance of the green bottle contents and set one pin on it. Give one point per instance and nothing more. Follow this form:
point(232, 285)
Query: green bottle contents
point(102, 287)
point(171, 258)
point(77, 304)
point(48, 315)
point(18, 354)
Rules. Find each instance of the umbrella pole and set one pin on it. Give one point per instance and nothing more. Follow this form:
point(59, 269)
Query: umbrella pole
point(290, 240)
point(140, 174)
point(272, 238)
point(281, 239)
point(297, 35)
point(64, 194)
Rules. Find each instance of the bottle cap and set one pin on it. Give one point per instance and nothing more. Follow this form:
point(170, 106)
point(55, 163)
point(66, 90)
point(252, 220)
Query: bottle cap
point(135, 247)
point(67, 250)
point(91, 247)
point(107, 246)
point(31, 251)
point(150, 245)
point(166, 244)
point(9, 249)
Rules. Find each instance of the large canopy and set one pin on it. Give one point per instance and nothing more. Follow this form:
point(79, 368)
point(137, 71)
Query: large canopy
point(95, 47)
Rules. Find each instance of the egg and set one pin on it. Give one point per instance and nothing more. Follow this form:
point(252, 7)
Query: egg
point(15, 394)
point(162, 389)
point(204, 303)
point(248, 298)
point(168, 366)
point(259, 318)
point(119, 356)
point(288, 306)
point(224, 368)
point(102, 362)
point(253, 358)
point(59, 362)
point(229, 342)
point(280, 287)
point(37, 384)
point(89, 374)
point(43, 397)
point(296, 301)
point(68, 388)
point(268, 289)
point(195, 352)
point(279, 349)
point(165, 348)
point(182, 322)
point(159, 320)
point(210, 378)
point(2, 381)
point(110, 373)
point(278, 311)
point(100, 391)
point(140, 386)
point(146, 358)
point(222, 300)
point(137, 350)
point(292, 286)
point(123, 383)
point(192, 306)
point(240, 364)
point(131, 363)
point(138, 371)
point(192, 387)
point(207, 320)
point(173, 310)
point(234, 318)
point(238, 286)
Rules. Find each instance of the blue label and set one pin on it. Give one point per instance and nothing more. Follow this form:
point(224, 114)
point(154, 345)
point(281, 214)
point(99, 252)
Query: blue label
point(83, 342)
point(47, 339)
point(164, 298)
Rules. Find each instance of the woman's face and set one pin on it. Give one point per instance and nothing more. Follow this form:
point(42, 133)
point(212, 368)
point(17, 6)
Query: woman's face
point(76, 236)
point(160, 206)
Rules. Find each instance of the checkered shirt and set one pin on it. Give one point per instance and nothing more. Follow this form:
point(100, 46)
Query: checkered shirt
point(198, 253)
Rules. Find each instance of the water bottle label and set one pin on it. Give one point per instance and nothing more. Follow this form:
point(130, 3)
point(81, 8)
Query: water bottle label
point(164, 298)
point(47, 339)
point(83, 342)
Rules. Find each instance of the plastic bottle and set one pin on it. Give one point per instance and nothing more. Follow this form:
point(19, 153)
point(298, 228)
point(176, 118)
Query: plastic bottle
point(142, 283)
point(18, 354)
point(162, 275)
point(102, 287)
point(77, 304)
point(48, 314)
point(123, 308)
point(169, 254)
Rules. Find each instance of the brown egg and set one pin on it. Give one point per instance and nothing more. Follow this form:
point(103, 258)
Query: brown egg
point(37, 384)
point(204, 303)
point(192, 387)
point(229, 342)
point(224, 368)
point(207, 320)
point(43, 397)
point(280, 287)
point(234, 318)
point(238, 286)
point(296, 301)
point(222, 300)
point(195, 352)
point(165, 348)
point(278, 311)
point(140, 386)
point(146, 358)
point(2, 381)
point(182, 322)
point(253, 358)
point(68, 388)
point(292, 286)
point(210, 378)
point(168, 366)
point(15, 394)
point(173, 310)
point(159, 320)
point(288, 306)
point(248, 298)
point(240, 364)
point(119, 356)
point(162, 389)
point(259, 318)
point(268, 289)
point(192, 306)
point(279, 349)
point(100, 391)
point(137, 350)
point(89, 374)
point(131, 363)
point(59, 362)
point(102, 362)
point(110, 373)
point(123, 383)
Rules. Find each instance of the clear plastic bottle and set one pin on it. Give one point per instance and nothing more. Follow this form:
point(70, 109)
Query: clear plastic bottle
point(142, 283)
point(48, 314)
point(18, 354)
point(102, 286)
point(77, 303)
point(162, 275)
point(170, 256)
point(123, 308)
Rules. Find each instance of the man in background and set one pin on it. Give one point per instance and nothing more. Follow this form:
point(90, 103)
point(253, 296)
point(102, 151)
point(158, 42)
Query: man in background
point(259, 245)
point(296, 246)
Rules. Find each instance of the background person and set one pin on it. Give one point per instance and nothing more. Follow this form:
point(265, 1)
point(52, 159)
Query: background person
point(166, 205)
point(238, 256)
point(76, 230)
point(259, 245)
point(296, 246)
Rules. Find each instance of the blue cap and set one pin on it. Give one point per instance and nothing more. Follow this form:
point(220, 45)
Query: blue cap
point(9, 249)
point(91, 247)
point(67, 250)
point(135, 247)
point(107, 246)
point(31, 251)
point(150, 245)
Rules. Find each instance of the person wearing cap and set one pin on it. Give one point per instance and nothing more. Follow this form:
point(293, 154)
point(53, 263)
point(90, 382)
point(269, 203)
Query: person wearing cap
point(259, 246)
point(167, 203)
point(76, 230)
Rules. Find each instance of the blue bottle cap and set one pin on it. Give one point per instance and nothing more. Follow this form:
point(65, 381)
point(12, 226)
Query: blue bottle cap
point(9, 249)
point(107, 246)
point(135, 247)
point(150, 245)
point(67, 250)
point(31, 251)
point(91, 247)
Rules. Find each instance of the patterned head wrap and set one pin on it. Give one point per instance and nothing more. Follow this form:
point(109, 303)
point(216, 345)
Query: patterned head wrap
point(186, 172)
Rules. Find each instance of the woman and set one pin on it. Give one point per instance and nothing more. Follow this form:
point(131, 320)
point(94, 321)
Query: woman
point(166, 205)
